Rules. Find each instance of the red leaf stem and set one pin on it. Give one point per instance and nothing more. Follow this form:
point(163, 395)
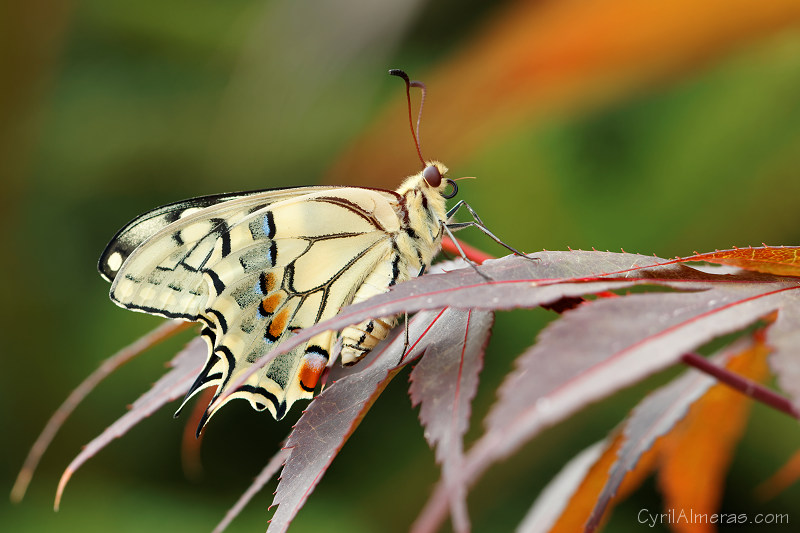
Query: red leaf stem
point(744, 385)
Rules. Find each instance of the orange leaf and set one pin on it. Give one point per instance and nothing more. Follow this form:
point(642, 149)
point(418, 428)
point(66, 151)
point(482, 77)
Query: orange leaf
point(534, 58)
point(576, 513)
point(781, 260)
point(692, 458)
point(697, 453)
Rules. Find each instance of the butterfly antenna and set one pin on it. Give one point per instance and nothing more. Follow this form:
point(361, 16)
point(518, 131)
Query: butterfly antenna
point(423, 90)
point(415, 134)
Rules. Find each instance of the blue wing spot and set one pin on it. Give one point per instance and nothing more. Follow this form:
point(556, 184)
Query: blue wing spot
point(269, 225)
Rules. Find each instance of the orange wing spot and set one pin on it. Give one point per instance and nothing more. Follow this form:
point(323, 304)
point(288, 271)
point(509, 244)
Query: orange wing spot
point(310, 371)
point(279, 323)
point(271, 303)
point(268, 282)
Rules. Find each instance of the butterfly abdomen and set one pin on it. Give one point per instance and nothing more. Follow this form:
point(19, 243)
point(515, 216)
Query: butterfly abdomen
point(359, 340)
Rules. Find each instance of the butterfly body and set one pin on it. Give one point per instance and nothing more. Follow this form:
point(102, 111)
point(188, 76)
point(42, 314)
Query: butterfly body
point(254, 267)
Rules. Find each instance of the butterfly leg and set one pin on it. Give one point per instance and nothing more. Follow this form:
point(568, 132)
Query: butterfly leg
point(477, 223)
point(469, 261)
point(406, 342)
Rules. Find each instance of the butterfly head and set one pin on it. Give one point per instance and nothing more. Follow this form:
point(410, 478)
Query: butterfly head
point(431, 183)
point(433, 177)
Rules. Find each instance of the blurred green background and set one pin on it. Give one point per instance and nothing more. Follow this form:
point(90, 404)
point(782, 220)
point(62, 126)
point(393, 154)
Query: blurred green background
point(588, 125)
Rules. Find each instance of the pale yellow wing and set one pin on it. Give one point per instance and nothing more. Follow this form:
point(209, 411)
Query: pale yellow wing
point(254, 272)
point(156, 262)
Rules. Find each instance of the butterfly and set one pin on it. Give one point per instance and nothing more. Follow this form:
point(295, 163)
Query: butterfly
point(254, 267)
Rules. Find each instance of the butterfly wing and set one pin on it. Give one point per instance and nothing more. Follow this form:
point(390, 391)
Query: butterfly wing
point(141, 228)
point(255, 268)
point(170, 246)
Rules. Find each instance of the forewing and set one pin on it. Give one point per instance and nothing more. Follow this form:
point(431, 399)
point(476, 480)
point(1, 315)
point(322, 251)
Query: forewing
point(156, 263)
point(141, 228)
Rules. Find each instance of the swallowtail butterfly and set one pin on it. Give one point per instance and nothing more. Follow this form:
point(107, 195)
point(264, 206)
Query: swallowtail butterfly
point(253, 267)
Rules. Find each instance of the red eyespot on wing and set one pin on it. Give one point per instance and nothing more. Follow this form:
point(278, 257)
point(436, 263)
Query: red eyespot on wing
point(310, 370)
point(432, 176)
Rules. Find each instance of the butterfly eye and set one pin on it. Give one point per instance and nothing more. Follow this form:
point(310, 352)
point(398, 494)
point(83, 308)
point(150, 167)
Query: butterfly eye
point(432, 176)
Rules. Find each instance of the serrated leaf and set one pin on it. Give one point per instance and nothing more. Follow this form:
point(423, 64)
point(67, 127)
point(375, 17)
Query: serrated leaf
point(174, 384)
point(332, 417)
point(506, 283)
point(654, 434)
point(593, 350)
point(444, 383)
point(658, 414)
point(778, 260)
point(606, 345)
point(267, 473)
point(106, 368)
point(698, 452)
point(612, 343)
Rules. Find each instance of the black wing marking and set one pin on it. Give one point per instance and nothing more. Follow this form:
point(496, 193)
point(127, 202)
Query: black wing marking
point(141, 228)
